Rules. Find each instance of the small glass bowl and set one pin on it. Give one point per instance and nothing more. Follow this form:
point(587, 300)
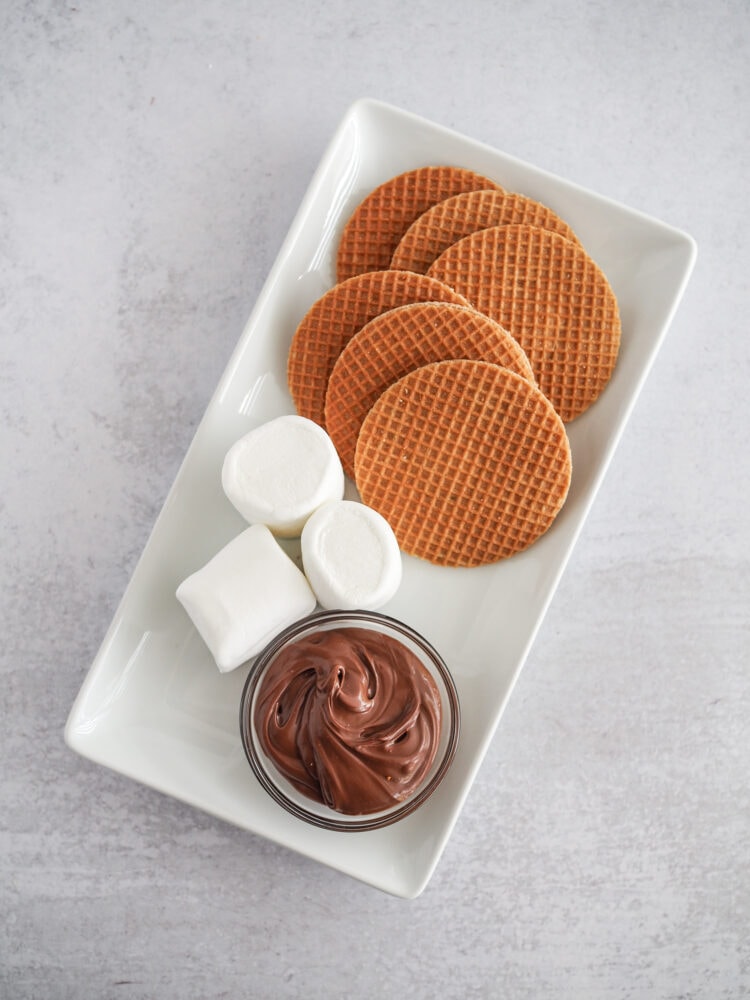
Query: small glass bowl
point(281, 790)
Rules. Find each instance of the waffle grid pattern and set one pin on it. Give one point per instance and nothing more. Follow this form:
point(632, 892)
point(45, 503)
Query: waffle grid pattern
point(449, 221)
point(334, 318)
point(467, 461)
point(395, 343)
point(551, 296)
point(378, 223)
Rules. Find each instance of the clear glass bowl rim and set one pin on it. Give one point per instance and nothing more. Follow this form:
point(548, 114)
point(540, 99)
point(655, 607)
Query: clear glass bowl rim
point(332, 820)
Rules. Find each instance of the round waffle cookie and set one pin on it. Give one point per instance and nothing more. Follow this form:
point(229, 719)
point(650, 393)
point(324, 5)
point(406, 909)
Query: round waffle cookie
point(378, 223)
point(468, 462)
point(449, 221)
point(395, 343)
point(330, 323)
point(547, 292)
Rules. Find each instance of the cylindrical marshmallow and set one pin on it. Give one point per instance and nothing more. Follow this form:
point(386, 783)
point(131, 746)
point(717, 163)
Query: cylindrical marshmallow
point(350, 556)
point(282, 471)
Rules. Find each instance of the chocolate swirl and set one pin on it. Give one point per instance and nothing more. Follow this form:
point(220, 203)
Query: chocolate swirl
point(350, 717)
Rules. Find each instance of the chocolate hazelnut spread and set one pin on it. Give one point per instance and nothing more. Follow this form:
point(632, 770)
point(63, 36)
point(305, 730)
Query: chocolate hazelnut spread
point(350, 717)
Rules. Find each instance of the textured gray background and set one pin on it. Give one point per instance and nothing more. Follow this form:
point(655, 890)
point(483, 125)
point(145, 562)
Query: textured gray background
point(152, 156)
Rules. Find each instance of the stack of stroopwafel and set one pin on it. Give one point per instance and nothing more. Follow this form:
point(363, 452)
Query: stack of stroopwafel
point(467, 326)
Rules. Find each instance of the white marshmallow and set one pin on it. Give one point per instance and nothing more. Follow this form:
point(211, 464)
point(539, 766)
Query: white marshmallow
point(245, 596)
point(351, 556)
point(282, 471)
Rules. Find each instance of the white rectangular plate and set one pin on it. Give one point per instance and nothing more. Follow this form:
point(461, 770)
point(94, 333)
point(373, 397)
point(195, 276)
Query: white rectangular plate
point(154, 706)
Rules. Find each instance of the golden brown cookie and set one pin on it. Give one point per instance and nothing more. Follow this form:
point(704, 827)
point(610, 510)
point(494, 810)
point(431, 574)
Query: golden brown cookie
point(395, 343)
point(336, 316)
point(468, 462)
point(551, 296)
point(449, 221)
point(381, 219)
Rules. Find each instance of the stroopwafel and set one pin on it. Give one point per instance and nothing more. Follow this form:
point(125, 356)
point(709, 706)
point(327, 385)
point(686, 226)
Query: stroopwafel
point(467, 461)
